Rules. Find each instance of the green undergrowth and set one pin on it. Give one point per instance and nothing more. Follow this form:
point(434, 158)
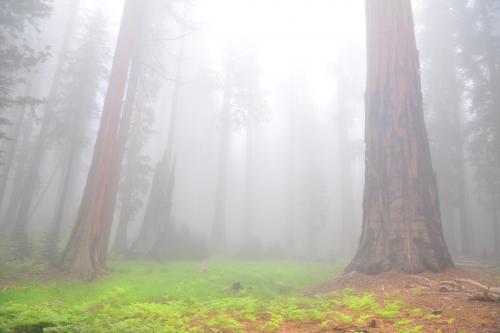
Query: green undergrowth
point(177, 297)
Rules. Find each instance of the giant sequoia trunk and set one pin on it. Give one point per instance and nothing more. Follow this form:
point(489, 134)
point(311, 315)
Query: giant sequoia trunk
point(85, 254)
point(401, 216)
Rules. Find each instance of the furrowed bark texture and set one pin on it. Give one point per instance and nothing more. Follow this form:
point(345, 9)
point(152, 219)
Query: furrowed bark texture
point(401, 216)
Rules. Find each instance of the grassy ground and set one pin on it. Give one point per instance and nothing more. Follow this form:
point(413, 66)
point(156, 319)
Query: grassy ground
point(173, 297)
point(178, 297)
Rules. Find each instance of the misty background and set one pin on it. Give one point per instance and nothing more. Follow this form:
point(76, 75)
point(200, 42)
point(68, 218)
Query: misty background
point(274, 149)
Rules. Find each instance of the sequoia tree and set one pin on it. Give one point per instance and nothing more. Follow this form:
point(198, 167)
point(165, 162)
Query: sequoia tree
point(85, 254)
point(401, 216)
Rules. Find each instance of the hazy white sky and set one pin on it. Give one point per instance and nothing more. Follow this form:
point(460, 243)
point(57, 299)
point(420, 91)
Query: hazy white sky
point(291, 35)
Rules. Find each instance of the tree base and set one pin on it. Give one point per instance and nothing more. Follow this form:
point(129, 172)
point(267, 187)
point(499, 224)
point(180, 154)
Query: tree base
point(375, 265)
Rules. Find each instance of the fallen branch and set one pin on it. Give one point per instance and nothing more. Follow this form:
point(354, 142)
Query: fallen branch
point(485, 297)
point(452, 284)
point(493, 290)
point(429, 281)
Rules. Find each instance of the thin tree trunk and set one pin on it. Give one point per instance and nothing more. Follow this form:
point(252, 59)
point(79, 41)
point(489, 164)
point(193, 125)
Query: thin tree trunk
point(494, 71)
point(463, 202)
point(218, 236)
point(494, 80)
point(11, 152)
point(29, 183)
point(85, 254)
point(20, 172)
point(55, 229)
point(248, 223)
point(160, 197)
point(494, 219)
point(401, 217)
point(291, 172)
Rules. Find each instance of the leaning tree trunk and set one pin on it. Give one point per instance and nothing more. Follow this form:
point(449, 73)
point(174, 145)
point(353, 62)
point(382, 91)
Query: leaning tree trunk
point(401, 216)
point(85, 254)
point(160, 198)
point(120, 244)
point(53, 237)
point(117, 162)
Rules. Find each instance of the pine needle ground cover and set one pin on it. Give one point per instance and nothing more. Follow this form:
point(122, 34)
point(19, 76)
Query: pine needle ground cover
point(229, 297)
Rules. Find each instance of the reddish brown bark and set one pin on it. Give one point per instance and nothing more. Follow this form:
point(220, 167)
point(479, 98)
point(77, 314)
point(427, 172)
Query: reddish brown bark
point(85, 254)
point(115, 176)
point(401, 216)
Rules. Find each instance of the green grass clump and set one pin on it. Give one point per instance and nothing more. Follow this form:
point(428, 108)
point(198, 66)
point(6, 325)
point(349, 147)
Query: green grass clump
point(343, 318)
point(365, 302)
point(391, 309)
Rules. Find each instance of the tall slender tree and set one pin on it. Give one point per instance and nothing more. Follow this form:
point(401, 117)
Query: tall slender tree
point(249, 109)
point(30, 181)
point(134, 184)
point(480, 62)
point(443, 94)
point(135, 178)
point(401, 215)
point(159, 205)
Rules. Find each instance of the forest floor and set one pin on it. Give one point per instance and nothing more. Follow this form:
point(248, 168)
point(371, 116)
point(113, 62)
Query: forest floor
point(243, 296)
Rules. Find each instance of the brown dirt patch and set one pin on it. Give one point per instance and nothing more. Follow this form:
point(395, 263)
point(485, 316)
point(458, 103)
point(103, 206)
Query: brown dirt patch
point(456, 313)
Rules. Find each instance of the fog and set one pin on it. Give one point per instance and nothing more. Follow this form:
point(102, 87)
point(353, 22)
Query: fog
point(246, 132)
